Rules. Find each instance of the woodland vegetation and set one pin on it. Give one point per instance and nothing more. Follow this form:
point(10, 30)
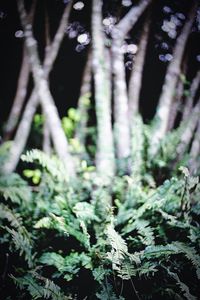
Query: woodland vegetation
point(107, 206)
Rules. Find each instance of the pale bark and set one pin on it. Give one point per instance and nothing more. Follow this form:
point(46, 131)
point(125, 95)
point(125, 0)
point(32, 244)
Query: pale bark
point(83, 102)
point(46, 145)
point(187, 135)
point(190, 99)
point(25, 124)
point(121, 123)
point(176, 105)
point(135, 81)
point(105, 146)
point(22, 83)
point(164, 106)
point(195, 148)
point(194, 162)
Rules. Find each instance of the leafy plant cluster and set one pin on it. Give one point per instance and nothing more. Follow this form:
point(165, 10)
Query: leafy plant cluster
point(88, 240)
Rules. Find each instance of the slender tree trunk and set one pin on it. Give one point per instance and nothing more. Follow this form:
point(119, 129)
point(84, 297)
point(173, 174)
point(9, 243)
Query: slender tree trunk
point(47, 102)
point(189, 131)
point(25, 124)
point(190, 99)
point(20, 95)
point(105, 148)
point(161, 119)
point(195, 148)
point(46, 146)
point(135, 82)
point(175, 108)
point(194, 163)
point(84, 102)
point(121, 124)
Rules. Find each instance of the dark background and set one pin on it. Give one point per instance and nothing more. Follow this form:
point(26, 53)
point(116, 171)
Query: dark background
point(65, 79)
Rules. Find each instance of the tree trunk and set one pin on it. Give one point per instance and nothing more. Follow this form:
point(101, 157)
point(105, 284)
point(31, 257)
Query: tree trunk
point(46, 146)
point(190, 99)
point(176, 105)
point(135, 82)
point(105, 149)
point(84, 102)
point(161, 119)
point(25, 124)
point(121, 123)
point(189, 131)
point(20, 95)
point(194, 163)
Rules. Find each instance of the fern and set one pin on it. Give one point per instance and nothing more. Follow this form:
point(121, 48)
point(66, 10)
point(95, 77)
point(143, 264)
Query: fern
point(52, 164)
point(13, 187)
point(40, 287)
point(23, 243)
point(145, 232)
point(13, 218)
point(183, 287)
point(69, 265)
point(20, 236)
point(119, 247)
point(159, 251)
point(191, 255)
point(107, 293)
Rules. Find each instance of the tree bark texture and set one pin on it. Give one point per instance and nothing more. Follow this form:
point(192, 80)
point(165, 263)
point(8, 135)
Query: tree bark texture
point(121, 122)
point(84, 101)
point(190, 99)
point(22, 83)
point(105, 160)
point(135, 81)
point(25, 124)
point(189, 131)
point(164, 105)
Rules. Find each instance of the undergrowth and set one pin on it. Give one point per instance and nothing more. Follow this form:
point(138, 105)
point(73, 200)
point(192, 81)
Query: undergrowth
point(86, 240)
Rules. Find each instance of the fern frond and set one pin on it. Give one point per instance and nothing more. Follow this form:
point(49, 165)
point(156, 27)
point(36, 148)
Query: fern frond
point(191, 255)
point(13, 187)
point(23, 243)
point(145, 232)
point(119, 247)
point(183, 287)
point(68, 265)
point(107, 293)
point(40, 287)
point(52, 164)
point(159, 250)
point(13, 218)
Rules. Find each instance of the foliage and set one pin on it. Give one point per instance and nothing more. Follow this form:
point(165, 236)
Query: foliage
point(59, 233)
